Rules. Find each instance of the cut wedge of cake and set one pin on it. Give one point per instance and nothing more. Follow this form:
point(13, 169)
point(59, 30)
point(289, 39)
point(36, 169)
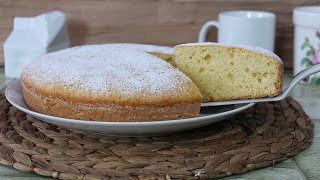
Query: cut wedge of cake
point(226, 72)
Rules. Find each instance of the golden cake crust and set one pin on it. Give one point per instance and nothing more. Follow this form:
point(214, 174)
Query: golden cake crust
point(111, 87)
point(108, 111)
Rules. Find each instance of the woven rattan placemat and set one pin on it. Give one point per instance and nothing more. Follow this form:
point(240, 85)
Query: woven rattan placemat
point(265, 134)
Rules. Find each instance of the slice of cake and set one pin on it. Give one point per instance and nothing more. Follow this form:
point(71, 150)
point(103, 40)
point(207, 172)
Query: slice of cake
point(225, 72)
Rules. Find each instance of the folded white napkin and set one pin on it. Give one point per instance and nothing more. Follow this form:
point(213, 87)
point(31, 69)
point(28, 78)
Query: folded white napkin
point(32, 37)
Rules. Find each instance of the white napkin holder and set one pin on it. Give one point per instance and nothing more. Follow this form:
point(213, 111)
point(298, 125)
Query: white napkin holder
point(32, 37)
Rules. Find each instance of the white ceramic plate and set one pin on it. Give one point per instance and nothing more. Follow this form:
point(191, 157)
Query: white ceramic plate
point(207, 116)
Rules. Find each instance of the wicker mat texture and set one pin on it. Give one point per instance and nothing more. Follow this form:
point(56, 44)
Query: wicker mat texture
point(263, 135)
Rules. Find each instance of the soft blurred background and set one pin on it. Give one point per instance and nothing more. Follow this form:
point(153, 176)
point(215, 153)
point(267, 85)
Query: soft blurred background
point(162, 22)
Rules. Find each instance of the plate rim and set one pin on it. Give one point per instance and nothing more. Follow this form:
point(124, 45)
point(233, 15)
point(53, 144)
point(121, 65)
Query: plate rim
point(87, 122)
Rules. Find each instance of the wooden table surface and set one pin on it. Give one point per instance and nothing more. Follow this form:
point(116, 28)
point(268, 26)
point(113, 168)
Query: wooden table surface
point(305, 165)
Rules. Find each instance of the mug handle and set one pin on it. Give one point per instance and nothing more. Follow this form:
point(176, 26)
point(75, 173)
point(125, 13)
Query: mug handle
point(205, 28)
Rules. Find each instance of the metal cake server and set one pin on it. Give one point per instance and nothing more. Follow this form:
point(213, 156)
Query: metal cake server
point(301, 75)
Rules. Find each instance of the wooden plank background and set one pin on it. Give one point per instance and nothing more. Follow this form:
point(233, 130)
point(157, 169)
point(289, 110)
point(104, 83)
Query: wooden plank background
point(163, 22)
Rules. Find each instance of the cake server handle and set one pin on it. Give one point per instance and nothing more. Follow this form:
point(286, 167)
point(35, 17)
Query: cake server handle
point(297, 78)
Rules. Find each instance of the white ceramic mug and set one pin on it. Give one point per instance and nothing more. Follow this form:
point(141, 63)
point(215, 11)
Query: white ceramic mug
point(253, 28)
point(307, 41)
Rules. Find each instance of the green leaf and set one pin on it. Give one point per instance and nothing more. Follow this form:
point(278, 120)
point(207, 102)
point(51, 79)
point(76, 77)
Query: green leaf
point(306, 61)
point(312, 51)
point(315, 81)
point(305, 45)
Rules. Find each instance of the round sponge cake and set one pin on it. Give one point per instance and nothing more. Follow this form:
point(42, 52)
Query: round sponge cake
point(112, 82)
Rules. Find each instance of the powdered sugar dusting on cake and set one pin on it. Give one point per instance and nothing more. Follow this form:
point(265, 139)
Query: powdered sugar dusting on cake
point(144, 47)
point(126, 69)
point(256, 49)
